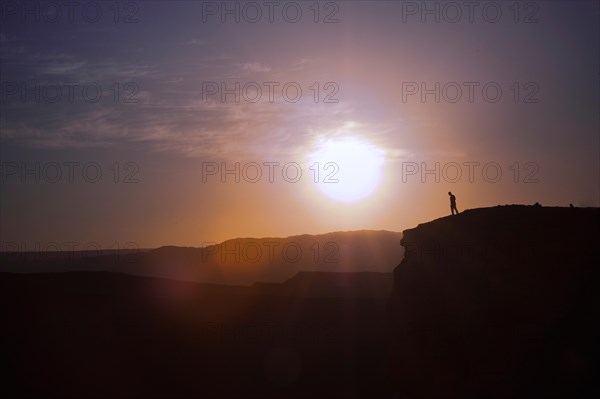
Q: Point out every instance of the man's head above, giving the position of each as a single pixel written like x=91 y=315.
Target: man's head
x=449 y=192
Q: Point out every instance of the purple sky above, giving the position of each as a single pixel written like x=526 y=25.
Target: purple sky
x=161 y=119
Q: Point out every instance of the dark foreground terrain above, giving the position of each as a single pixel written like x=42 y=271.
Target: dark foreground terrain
x=493 y=303
x=103 y=335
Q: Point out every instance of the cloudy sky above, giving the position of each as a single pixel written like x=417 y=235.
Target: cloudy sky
x=186 y=122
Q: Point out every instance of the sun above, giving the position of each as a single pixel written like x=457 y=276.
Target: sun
x=346 y=169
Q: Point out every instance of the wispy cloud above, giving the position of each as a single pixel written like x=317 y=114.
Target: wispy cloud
x=192 y=128
x=195 y=42
x=63 y=68
x=256 y=67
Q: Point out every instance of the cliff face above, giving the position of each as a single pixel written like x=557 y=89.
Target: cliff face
x=498 y=302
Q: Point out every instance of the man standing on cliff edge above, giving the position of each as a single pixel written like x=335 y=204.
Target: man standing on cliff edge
x=452 y=203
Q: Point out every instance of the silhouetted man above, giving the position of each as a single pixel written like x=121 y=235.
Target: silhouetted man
x=452 y=203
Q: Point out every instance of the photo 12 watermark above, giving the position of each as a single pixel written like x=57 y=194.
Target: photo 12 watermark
x=270 y=252
x=271 y=92
x=471 y=171
x=69 y=12
x=473 y=12
x=269 y=171
x=470 y=91
x=14 y=252
x=253 y=12
x=70 y=172
x=255 y=332
x=460 y=252
x=68 y=92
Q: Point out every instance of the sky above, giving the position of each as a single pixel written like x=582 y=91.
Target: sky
x=152 y=123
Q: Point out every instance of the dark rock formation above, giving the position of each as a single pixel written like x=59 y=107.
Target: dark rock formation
x=331 y=285
x=497 y=303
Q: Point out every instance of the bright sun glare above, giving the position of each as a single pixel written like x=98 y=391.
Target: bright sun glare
x=346 y=169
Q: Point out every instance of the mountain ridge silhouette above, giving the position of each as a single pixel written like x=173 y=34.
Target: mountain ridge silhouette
x=237 y=261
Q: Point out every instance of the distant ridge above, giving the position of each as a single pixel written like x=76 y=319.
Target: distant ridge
x=240 y=261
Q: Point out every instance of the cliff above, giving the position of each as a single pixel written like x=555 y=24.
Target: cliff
x=498 y=302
